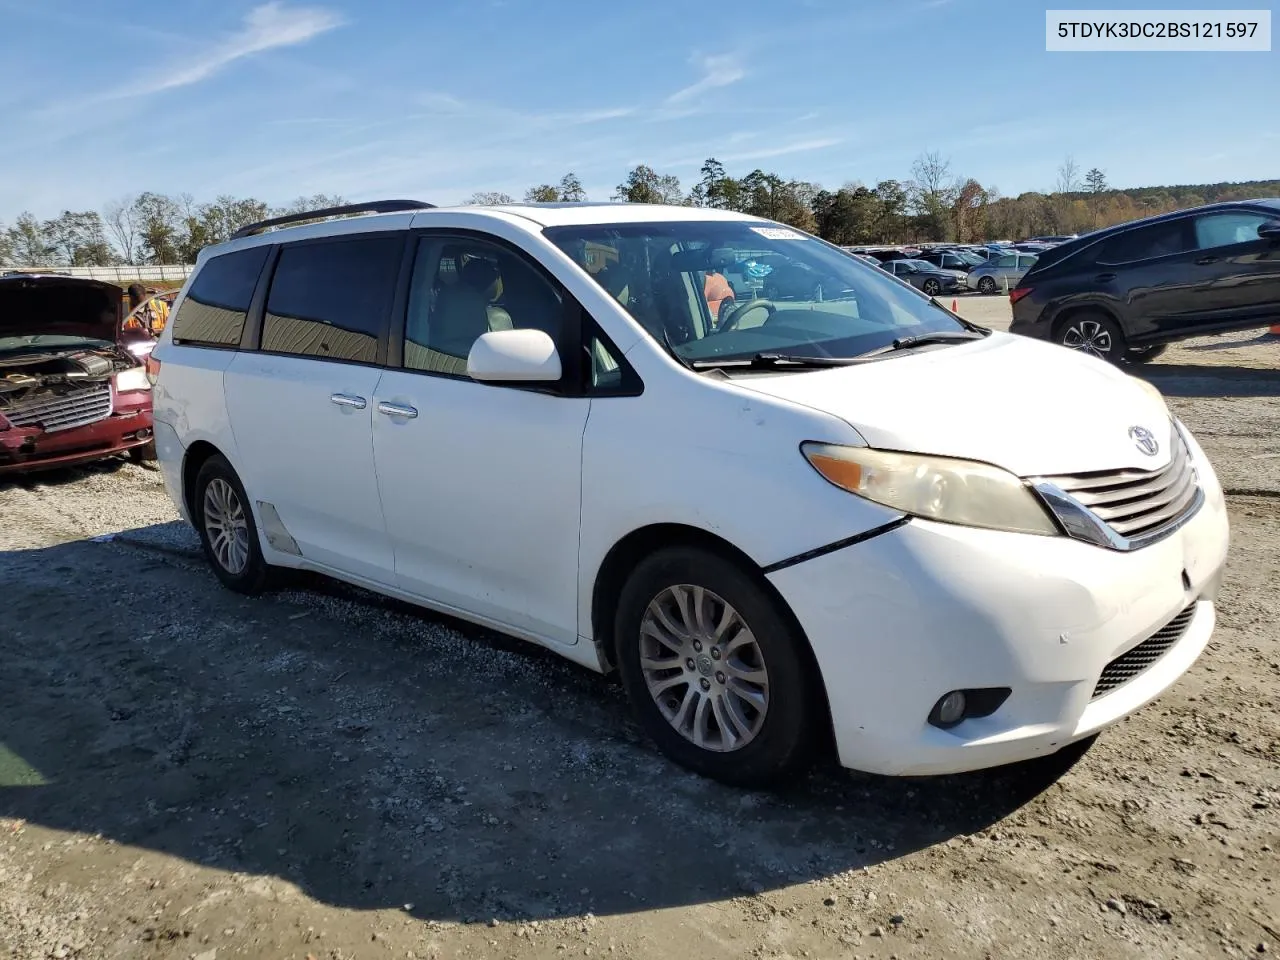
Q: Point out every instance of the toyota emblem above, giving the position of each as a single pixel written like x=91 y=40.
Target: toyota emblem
x=1144 y=440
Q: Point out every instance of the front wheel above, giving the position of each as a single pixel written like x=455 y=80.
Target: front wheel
x=932 y=287
x=986 y=285
x=1095 y=334
x=716 y=674
x=227 y=531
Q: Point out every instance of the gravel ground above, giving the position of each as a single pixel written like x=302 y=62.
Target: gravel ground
x=319 y=773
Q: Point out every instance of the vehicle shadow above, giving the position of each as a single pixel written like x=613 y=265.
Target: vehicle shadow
x=1211 y=380
x=61 y=476
x=376 y=756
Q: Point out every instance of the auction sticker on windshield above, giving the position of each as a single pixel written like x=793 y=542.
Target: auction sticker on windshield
x=778 y=233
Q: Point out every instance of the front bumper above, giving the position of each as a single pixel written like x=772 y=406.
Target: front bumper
x=27 y=449
x=897 y=621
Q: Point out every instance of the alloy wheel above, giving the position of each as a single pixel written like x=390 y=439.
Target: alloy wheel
x=226 y=526
x=987 y=285
x=1088 y=336
x=704 y=668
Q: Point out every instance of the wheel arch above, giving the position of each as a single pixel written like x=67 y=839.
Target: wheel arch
x=196 y=456
x=623 y=557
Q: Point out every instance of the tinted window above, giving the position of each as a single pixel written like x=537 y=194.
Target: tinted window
x=214 y=309
x=331 y=299
x=1225 y=229
x=464 y=288
x=1008 y=260
x=1145 y=243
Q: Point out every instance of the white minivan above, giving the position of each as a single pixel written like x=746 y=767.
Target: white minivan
x=826 y=509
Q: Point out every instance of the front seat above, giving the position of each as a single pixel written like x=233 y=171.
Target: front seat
x=484 y=277
x=460 y=316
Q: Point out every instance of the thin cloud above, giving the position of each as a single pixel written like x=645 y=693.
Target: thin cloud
x=438 y=104
x=717 y=71
x=266 y=27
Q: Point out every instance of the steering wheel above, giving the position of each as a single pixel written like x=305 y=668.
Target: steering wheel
x=736 y=313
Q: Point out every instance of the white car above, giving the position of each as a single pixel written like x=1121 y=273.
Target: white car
x=840 y=510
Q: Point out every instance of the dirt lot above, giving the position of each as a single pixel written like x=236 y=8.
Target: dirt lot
x=320 y=773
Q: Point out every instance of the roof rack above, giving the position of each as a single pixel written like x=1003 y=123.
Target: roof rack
x=373 y=206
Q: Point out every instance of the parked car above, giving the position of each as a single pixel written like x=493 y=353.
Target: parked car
x=1051 y=240
x=71 y=390
x=141 y=325
x=955 y=260
x=992 y=276
x=1124 y=292
x=780 y=531
x=924 y=276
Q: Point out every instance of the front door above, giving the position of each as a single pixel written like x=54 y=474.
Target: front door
x=301 y=406
x=480 y=484
x=1236 y=272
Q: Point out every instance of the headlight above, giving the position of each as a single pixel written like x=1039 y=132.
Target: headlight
x=936 y=488
x=135 y=378
x=1152 y=392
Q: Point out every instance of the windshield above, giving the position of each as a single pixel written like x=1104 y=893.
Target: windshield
x=733 y=289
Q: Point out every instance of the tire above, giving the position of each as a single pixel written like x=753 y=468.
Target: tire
x=1145 y=354
x=756 y=740
x=932 y=287
x=987 y=285
x=218 y=488
x=143 y=454
x=1093 y=333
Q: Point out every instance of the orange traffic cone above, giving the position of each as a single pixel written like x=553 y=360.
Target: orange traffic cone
x=1275 y=329
x=955 y=306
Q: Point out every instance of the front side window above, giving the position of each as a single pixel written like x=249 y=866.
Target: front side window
x=330 y=299
x=1008 y=260
x=1226 y=229
x=462 y=288
x=794 y=294
x=213 y=312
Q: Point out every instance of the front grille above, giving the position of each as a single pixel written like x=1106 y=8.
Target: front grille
x=1138 y=503
x=54 y=412
x=1133 y=662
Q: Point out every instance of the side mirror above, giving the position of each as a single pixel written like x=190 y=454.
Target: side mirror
x=1270 y=230
x=514 y=356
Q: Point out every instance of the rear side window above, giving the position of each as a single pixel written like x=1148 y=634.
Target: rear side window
x=214 y=309
x=331 y=299
x=1146 y=243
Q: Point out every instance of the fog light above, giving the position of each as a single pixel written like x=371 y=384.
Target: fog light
x=949 y=711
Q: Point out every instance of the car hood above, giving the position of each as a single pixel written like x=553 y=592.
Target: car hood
x=1032 y=408
x=49 y=305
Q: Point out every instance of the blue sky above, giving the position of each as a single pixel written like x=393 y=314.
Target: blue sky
x=440 y=98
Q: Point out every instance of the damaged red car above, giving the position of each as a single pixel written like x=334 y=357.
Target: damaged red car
x=72 y=385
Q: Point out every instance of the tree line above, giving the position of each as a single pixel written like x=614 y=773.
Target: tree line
x=933 y=204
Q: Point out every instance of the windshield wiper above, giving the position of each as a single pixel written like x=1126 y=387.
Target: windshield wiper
x=938 y=336
x=771 y=361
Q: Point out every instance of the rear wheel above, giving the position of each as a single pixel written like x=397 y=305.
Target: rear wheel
x=1145 y=354
x=1095 y=334
x=987 y=285
x=716 y=673
x=226 y=527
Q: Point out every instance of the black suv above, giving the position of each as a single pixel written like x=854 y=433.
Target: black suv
x=1124 y=292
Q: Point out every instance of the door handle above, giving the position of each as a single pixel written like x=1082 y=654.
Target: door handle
x=1203 y=261
x=1104 y=277
x=397 y=410
x=346 y=400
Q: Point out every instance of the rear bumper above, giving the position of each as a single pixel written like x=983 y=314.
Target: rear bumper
x=27 y=449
